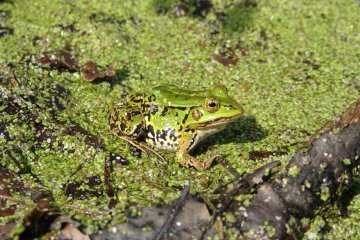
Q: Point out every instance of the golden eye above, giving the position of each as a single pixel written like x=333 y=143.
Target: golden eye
x=212 y=105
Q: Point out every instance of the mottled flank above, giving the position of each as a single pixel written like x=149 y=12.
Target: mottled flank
x=164 y=139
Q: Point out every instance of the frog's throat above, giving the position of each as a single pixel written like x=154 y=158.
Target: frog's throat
x=219 y=121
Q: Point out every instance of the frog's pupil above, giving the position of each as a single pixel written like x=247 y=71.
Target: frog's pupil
x=212 y=104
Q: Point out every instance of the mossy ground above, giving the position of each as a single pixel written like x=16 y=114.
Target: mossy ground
x=298 y=67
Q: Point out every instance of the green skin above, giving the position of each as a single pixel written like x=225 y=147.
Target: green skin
x=173 y=119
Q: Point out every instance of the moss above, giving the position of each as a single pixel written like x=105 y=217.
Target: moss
x=347 y=162
x=239 y=16
x=297 y=68
x=325 y=194
x=294 y=171
x=345 y=228
x=270 y=229
x=314 y=232
x=307 y=184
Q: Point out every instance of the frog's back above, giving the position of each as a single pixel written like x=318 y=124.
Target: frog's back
x=170 y=95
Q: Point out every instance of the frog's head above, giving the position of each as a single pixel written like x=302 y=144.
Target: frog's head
x=217 y=109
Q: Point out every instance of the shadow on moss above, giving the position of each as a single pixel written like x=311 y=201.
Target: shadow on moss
x=236 y=17
x=347 y=196
x=239 y=17
x=246 y=129
x=179 y=8
x=163 y=6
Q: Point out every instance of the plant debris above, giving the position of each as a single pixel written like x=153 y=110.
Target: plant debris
x=11 y=187
x=197 y=8
x=180 y=9
x=6 y=31
x=165 y=228
x=72 y=232
x=185 y=224
x=312 y=179
x=37 y=223
x=101 y=17
x=226 y=56
x=59 y=59
x=4 y=14
x=351 y=116
x=44 y=132
x=69 y=27
x=202 y=8
x=9 y=184
x=254 y=155
x=90 y=71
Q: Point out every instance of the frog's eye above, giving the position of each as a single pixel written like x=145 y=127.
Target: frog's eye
x=212 y=105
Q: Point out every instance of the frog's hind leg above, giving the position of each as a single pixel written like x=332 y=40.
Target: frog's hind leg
x=150 y=151
x=127 y=122
x=142 y=146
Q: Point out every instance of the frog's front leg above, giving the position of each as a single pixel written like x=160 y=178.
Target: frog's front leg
x=185 y=158
x=127 y=122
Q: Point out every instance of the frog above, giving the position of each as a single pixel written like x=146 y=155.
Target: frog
x=169 y=118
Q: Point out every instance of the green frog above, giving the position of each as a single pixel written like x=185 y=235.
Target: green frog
x=174 y=119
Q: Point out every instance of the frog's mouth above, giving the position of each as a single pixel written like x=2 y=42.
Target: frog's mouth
x=219 y=121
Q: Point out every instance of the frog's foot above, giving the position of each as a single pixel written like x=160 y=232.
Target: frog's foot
x=190 y=161
x=142 y=146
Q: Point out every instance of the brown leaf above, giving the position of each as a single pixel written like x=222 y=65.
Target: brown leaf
x=226 y=60
x=71 y=232
x=6 y=229
x=8 y=183
x=89 y=71
x=58 y=59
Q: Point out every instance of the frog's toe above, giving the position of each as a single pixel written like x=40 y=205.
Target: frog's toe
x=186 y=162
x=199 y=165
x=202 y=165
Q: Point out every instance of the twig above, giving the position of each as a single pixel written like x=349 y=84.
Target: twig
x=242 y=185
x=228 y=167
x=174 y=212
x=11 y=199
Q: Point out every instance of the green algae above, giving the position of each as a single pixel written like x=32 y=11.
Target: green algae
x=294 y=171
x=300 y=70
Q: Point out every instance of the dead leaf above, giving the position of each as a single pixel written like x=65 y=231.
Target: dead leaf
x=71 y=232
